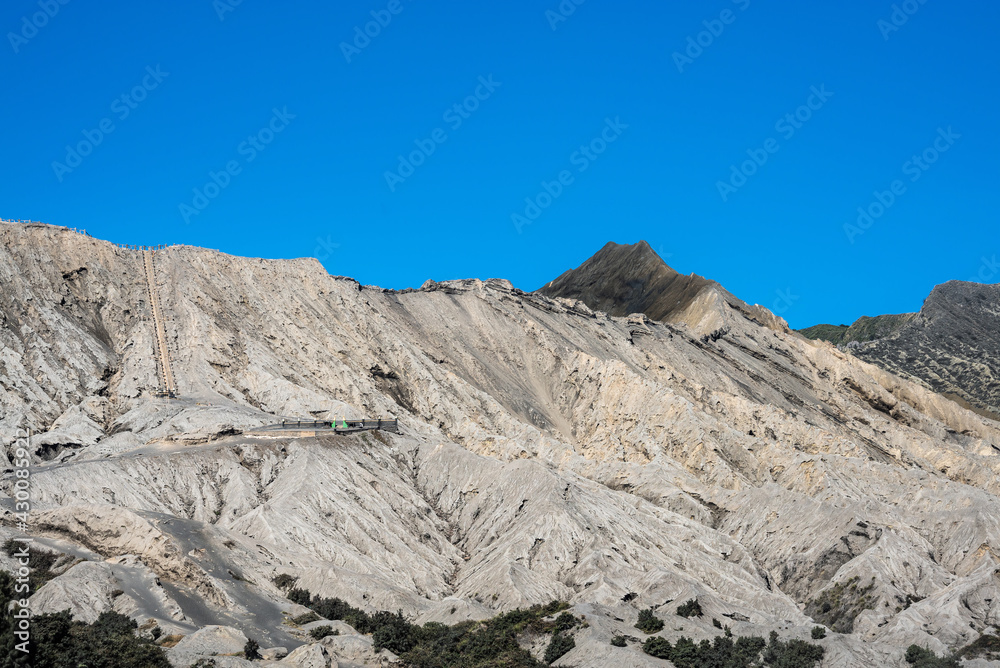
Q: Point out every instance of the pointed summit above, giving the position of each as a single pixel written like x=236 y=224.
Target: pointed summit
x=621 y=279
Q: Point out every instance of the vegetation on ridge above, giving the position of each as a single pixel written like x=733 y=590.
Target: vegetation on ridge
x=743 y=652
x=864 y=329
x=57 y=641
x=493 y=642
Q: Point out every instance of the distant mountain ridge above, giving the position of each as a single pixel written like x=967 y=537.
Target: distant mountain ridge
x=952 y=345
x=864 y=329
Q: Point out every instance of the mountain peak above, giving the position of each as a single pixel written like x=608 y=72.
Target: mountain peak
x=621 y=279
x=627 y=278
x=639 y=255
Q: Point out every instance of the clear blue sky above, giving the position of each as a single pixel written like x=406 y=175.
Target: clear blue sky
x=322 y=178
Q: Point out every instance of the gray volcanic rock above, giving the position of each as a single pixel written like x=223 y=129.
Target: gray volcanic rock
x=952 y=345
x=547 y=450
x=625 y=279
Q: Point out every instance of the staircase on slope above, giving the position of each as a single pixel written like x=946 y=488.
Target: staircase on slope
x=167 y=386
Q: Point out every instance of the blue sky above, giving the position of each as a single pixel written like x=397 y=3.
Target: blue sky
x=253 y=129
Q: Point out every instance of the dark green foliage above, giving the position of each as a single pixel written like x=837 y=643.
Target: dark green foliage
x=791 y=654
x=716 y=623
x=863 y=329
x=656 y=646
x=832 y=333
x=306 y=618
x=203 y=663
x=690 y=608
x=284 y=581
x=558 y=646
x=488 y=644
x=57 y=642
x=40 y=563
x=818 y=633
x=321 y=632
x=648 y=622
x=565 y=621
x=251 y=651
x=394 y=633
x=986 y=646
x=921 y=657
x=746 y=652
x=838 y=606
x=619 y=641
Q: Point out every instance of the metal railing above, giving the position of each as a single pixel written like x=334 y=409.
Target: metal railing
x=340 y=426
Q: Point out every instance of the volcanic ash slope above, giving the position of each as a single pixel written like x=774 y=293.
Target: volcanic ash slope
x=547 y=451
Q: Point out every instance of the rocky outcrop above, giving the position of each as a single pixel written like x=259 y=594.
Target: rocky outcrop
x=951 y=346
x=625 y=279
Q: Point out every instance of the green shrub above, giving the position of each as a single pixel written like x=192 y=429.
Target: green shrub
x=57 y=641
x=818 y=633
x=321 y=632
x=690 y=608
x=284 y=581
x=565 y=621
x=648 y=622
x=251 y=651
x=986 y=646
x=558 y=646
x=40 y=563
x=839 y=605
x=618 y=641
x=306 y=618
x=658 y=647
x=393 y=633
x=490 y=643
x=740 y=653
x=921 y=657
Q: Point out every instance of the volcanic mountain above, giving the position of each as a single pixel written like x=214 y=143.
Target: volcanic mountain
x=547 y=450
x=624 y=279
x=952 y=345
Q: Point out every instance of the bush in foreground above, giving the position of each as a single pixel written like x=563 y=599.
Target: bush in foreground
x=490 y=643
x=690 y=608
x=921 y=657
x=648 y=622
x=558 y=646
x=745 y=652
